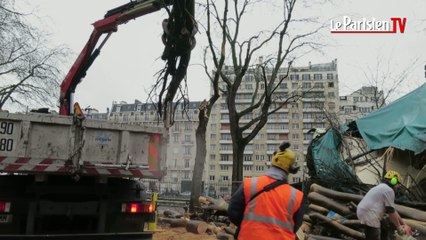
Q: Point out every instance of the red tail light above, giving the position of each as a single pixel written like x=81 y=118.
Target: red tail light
x=137 y=208
x=4 y=207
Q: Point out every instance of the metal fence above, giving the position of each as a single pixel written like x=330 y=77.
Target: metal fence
x=182 y=189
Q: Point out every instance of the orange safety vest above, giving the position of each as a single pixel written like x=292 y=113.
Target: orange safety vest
x=270 y=214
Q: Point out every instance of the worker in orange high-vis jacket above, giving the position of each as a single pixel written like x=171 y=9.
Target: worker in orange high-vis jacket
x=267 y=207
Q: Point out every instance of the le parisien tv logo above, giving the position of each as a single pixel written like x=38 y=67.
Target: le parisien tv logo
x=364 y=25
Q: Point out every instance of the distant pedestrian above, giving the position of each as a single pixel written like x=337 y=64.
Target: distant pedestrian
x=267 y=207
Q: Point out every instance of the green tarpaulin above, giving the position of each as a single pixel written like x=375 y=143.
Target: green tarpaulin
x=401 y=124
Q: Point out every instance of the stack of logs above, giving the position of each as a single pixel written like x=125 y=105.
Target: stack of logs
x=196 y=224
x=333 y=214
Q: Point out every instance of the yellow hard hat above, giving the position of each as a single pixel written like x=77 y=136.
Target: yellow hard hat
x=283 y=159
x=393 y=176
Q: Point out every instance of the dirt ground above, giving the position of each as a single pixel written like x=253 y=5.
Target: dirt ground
x=166 y=233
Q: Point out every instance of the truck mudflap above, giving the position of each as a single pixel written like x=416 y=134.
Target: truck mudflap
x=100 y=236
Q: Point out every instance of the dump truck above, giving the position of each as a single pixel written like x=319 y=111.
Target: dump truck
x=64 y=176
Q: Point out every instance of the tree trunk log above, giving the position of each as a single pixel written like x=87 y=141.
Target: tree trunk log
x=346 y=230
x=171 y=214
x=329 y=203
x=318 y=208
x=230 y=230
x=211 y=228
x=216 y=204
x=346 y=197
x=419 y=226
x=403 y=210
x=196 y=226
x=224 y=236
x=174 y=222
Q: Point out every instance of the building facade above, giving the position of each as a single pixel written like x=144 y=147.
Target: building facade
x=318 y=82
x=359 y=103
x=181 y=146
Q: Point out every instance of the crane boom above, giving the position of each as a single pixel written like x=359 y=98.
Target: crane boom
x=87 y=56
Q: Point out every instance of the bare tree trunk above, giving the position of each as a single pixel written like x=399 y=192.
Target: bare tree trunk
x=237 y=166
x=200 y=158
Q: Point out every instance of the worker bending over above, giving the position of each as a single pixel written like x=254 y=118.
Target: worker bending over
x=378 y=201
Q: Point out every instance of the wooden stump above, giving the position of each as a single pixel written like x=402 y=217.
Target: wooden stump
x=171 y=214
x=196 y=226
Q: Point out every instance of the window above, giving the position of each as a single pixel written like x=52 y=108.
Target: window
x=260 y=168
x=294 y=77
x=224 y=167
x=212 y=157
x=271 y=136
x=212 y=167
x=318 y=76
x=187 y=150
x=295 y=126
x=187 y=138
x=348 y=110
x=283 y=85
x=307 y=136
x=248 y=86
x=306 y=76
x=225 y=136
x=306 y=85
x=188 y=127
x=213 y=127
x=318 y=85
x=331 y=84
x=296 y=179
x=175 y=137
x=224 y=178
x=295 y=136
x=186 y=174
x=213 y=147
x=224 y=157
x=211 y=178
x=331 y=95
x=295 y=116
x=247 y=158
x=186 y=163
x=330 y=76
x=213 y=136
x=294 y=85
x=248 y=168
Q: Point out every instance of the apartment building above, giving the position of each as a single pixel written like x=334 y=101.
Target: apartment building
x=181 y=145
x=359 y=103
x=318 y=82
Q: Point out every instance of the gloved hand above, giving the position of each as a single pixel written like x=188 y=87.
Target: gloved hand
x=400 y=229
x=404 y=230
x=407 y=230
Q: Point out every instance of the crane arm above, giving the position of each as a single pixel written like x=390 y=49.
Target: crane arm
x=87 y=56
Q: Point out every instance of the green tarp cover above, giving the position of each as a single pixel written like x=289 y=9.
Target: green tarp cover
x=401 y=124
x=328 y=164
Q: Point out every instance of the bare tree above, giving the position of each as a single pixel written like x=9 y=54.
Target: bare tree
x=268 y=74
x=385 y=80
x=29 y=70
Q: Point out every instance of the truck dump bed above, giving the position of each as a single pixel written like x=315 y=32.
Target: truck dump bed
x=37 y=143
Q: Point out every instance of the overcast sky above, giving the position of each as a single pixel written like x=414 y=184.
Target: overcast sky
x=125 y=69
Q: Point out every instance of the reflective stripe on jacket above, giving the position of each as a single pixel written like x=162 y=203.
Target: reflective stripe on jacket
x=270 y=214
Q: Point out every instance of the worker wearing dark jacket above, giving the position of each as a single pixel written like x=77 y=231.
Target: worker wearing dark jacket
x=267 y=207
